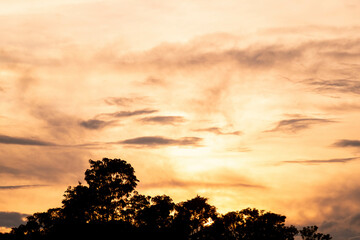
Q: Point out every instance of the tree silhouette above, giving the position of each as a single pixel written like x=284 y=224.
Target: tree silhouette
x=109 y=206
x=111 y=181
x=310 y=233
x=192 y=215
x=251 y=224
x=157 y=215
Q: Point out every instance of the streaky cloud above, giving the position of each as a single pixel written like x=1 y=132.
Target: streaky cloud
x=312 y=162
x=343 y=107
x=123 y=101
x=122 y=114
x=217 y=131
x=98 y=123
x=95 y=124
x=297 y=124
x=163 y=119
x=150 y=141
x=335 y=85
x=4 y=139
x=12 y=219
x=13 y=187
x=196 y=184
x=347 y=143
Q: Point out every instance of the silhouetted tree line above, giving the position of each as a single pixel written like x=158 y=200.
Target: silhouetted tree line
x=109 y=207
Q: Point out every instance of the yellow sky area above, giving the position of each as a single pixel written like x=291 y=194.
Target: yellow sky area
x=247 y=103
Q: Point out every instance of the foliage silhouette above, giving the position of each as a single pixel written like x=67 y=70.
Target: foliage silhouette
x=109 y=207
x=310 y=233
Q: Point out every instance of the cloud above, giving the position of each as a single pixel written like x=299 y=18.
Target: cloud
x=217 y=178
x=192 y=55
x=340 y=207
x=347 y=143
x=12 y=219
x=48 y=166
x=312 y=162
x=163 y=119
x=297 y=124
x=20 y=186
x=98 y=124
x=196 y=184
x=124 y=101
x=95 y=124
x=23 y=141
x=218 y=131
x=152 y=81
x=355 y=219
x=343 y=107
x=128 y=113
x=151 y=141
x=198 y=54
x=335 y=85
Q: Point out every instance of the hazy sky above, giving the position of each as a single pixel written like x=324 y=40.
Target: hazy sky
x=249 y=103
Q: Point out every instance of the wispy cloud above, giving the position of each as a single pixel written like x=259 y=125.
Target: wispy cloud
x=343 y=107
x=98 y=123
x=217 y=131
x=12 y=219
x=154 y=81
x=124 y=101
x=4 y=139
x=312 y=162
x=335 y=85
x=121 y=114
x=163 y=119
x=197 y=184
x=20 y=186
x=298 y=124
x=95 y=124
x=151 y=141
x=347 y=143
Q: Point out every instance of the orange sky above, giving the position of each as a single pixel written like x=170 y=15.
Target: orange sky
x=249 y=103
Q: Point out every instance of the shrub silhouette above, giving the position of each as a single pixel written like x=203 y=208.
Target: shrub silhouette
x=109 y=207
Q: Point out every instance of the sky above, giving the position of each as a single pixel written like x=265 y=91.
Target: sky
x=248 y=103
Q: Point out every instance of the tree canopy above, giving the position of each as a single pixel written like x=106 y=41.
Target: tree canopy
x=110 y=206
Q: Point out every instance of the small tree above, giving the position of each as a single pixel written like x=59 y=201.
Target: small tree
x=111 y=181
x=310 y=233
x=191 y=216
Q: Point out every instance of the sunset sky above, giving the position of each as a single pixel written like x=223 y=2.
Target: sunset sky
x=248 y=103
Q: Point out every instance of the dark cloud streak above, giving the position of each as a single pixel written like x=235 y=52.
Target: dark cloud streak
x=335 y=85
x=95 y=124
x=297 y=124
x=23 y=141
x=11 y=219
x=163 y=119
x=347 y=143
x=121 y=114
x=218 y=131
x=20 y=187
x=123 y=101
x=197 y=184
x=312 y=162
x=151 y=141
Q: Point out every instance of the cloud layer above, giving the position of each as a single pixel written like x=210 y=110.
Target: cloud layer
x=4 y=139
x=153 y=141
x=298 y=124
x=11 y=219
x=347 y=143
x=335 y=160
